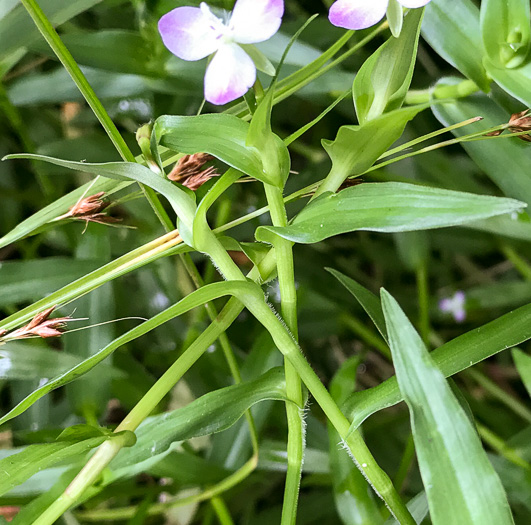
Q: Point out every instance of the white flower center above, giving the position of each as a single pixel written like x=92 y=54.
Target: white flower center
x=223 y=29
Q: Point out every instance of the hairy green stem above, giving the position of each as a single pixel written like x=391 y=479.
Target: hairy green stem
x=288 y=295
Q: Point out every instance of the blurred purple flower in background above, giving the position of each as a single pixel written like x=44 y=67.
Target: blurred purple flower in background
x=454 y=305
x=360 y=14
x=193 y=33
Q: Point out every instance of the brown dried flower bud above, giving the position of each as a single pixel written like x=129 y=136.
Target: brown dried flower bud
x=8 y=512
x=518 y=123
x=41 y=326
x=521 y=122
x=90 y=209
x=188 y=171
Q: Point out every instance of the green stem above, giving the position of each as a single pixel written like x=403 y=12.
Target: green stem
x=108 y=450
x=288 y=295
x=356 y=446
x=460 y=90
x=221 y=510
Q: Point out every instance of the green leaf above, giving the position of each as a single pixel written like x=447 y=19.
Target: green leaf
x=211 y=413
x=506 y=31
x=418 y=506
x=513 y=81
x=459 y=354
x=223 y=136
x=369 y=301
x=522 y=362
x=383 y=81
x=261 y=62
x=17 y=29
x=59 y=207
x=504 y=160
x=197 y=298
x=356 y=148
x=273 y=152
x=388 y=207
x=182 y=202
x=18 y=467
x=23 y=281
x=461 y=484
x=20 y=360
x=464 y=49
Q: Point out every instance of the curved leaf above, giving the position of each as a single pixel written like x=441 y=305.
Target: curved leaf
x=197 y=298
x=458 y=354
x=382 y=82
x=388 y=207
x=182 y=202
x=223 y=136
x=460 y=482
x=211 y=413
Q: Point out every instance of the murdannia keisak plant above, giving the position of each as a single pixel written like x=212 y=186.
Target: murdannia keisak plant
x=324 y=214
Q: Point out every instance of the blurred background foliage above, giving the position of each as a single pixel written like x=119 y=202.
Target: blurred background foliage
x=117 y=44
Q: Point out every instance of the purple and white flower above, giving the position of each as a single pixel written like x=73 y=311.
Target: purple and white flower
x=193 y=33
x=454 y=305
x=360 y=14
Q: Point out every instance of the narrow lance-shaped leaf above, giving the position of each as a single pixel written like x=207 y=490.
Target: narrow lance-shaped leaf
x=388 y=207
x=458 y=354
x=182 y=201
x=211 y=413
x=197 y=298
x=382 y=82
x=18 y=467
x=18 y=30
x=506 y=31
x=461 y=484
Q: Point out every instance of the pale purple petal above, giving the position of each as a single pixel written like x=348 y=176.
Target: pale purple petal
x=189 y=33
x=230 y=75
x=460 y=315
x=414 y=3
x=357 y=14
x=254 y=21
x=445 y=305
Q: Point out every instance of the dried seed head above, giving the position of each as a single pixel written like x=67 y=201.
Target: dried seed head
x=188 y=171
x=520 y=122
x=41 y=326
x=90 y=209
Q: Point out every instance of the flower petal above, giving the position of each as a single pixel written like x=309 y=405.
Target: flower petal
x=189 y=33
x=230 y=75
x=357 y=14
x=414 y=3
x=254 y=21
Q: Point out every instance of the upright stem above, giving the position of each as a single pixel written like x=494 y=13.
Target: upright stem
x=356 y=446
x=288 y=294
